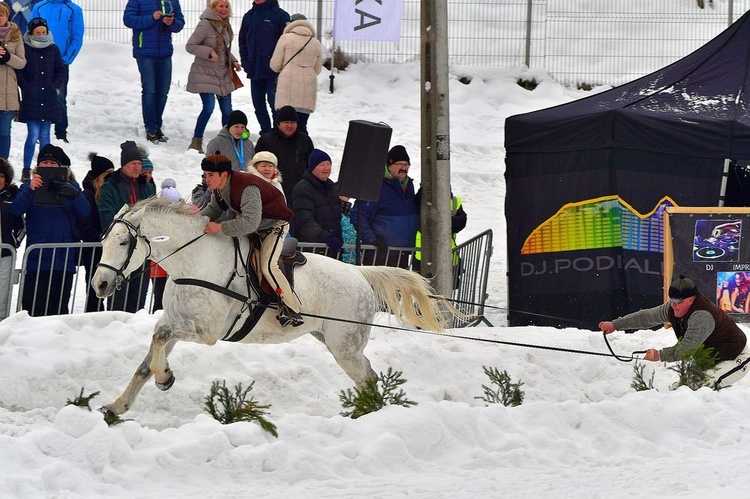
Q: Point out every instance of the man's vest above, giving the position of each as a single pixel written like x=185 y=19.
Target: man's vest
x=727 y=339
x=455 y=205
x=274 y=206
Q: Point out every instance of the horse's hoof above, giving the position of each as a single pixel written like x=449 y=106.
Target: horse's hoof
x=107 y=412
x=166 y=385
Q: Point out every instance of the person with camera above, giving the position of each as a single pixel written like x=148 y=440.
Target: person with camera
x=153 y=22
x=53 y=204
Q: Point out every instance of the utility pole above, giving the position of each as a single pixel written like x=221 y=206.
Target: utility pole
x=435 y=124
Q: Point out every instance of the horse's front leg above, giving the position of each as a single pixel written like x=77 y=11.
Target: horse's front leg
x=162 y=344
x=125 y=401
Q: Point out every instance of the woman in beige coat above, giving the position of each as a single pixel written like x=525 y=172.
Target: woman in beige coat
x=12 y=57
x=211 y=73
x=298 y=59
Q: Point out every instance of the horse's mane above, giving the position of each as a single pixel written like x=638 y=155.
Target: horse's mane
x=166 y=206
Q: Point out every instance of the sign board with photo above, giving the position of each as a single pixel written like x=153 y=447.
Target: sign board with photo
x=712 y=247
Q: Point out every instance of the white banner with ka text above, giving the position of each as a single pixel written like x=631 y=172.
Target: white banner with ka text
x=368 y=20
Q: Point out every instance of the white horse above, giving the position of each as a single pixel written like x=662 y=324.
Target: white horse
x=202 y=311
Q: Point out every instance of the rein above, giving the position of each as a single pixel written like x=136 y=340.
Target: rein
x=134 y=234
x=255 y=303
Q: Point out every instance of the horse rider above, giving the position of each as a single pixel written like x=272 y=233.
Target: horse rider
x=260 y=209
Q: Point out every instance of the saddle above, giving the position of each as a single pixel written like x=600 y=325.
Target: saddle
x=289 y=259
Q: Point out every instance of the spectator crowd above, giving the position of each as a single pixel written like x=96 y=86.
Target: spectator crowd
x=276 y=188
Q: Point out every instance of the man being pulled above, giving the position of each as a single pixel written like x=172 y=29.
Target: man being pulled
x=260 y=208
x=695 y=321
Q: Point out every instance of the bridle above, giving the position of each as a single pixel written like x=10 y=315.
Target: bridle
x=134 y=233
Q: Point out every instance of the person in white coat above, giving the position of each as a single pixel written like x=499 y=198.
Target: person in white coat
x=298 y=59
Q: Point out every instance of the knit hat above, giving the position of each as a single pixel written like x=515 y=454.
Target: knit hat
x=99 y=164
x=396 y=154
x=265 y=156
x=147 y=164
x=682 y=287
x=129 y=153
x=170 y=194
x=53 y=153
x=168 y=182
x=298 y=17
x=35 y=23
x=287 y=113
x=216 y=163
x=236 y=117
x=316 y=157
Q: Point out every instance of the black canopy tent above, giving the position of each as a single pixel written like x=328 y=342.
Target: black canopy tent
x=608 y=164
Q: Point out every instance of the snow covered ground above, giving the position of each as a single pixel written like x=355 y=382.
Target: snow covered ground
x=582 y=431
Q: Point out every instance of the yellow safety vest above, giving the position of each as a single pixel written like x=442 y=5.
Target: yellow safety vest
x=455 y=205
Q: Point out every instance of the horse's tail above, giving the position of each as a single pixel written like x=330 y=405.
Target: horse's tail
x=407 y=295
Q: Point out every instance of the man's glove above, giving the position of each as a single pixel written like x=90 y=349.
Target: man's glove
x=346 y=207
x=65 y=189
x=334 y=243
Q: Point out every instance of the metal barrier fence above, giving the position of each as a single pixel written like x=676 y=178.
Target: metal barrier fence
x=69 y=292
x=470 y=288
x=585 y=42
x=8 y=278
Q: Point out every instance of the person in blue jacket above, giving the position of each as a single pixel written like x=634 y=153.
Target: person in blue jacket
x=261 y=28
x=393 y=220
x=153 y=22
x=49 y=280
x=65 y=22
x=20 y=12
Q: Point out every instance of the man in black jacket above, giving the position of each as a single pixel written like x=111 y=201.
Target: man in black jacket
x=291 y=147
x=316 y=205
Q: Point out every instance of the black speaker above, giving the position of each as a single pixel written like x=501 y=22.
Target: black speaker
x=363 y=162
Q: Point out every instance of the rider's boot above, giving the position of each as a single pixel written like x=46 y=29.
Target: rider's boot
x=287 y=316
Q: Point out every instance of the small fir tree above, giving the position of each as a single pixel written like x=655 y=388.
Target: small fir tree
x=376 y=394
x=693 y=368
x=639 y=384
x=504 y=390
x=82 y=401
x=227 y=407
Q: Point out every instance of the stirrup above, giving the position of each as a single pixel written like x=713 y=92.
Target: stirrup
x=287 y=316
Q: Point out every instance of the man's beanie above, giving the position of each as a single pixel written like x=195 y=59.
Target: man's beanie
x=129 y=153
x=236 y=117
x=287 y=113
x=316 y=157
x=99 y=164
x=53 y=153
x=216 y=163
x=265 y=156
x=396 y=154
x=682 y=287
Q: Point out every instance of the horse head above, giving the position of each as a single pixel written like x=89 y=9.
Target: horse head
x=134 y=237
x=124 y=249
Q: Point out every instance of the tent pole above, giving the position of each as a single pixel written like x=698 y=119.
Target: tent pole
x=724 y=178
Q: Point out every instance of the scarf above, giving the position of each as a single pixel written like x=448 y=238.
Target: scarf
x=38 y=42
x=4 y=30
x=222 y=25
